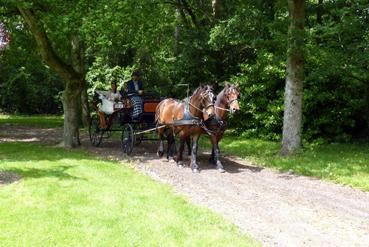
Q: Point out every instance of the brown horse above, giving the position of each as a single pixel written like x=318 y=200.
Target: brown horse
x=185 y=118
x=226 y=102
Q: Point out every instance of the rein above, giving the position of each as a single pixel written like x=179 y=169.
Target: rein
x=203 y=110
x=226 y=109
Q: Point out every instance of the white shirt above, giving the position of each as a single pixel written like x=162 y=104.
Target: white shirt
x=136 y=85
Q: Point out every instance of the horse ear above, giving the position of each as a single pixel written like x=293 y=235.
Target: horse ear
x=237 y=85
x=226 y=84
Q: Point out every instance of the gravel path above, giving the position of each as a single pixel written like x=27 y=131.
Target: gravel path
x=275 y=208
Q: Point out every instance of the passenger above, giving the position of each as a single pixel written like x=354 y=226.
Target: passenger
x=134 y=89
x=112 y=95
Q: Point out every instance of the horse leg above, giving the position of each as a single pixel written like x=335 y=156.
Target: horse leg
x=213 y=145
x=216 y=158
x=171 y=145
x=188 y=142
x=194 y=166
x=180 y=152
x=160 y=151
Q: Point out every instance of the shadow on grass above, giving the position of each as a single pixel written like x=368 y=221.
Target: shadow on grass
x=59 y=172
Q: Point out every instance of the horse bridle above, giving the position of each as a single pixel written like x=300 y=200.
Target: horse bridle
x=229 y=102
x=207 y=93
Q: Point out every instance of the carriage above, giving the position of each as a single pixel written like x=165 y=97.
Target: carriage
x=191 y=117
x=118 y=118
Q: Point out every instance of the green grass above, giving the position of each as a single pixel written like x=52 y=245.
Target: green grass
x=70 y=198
x=342 y=163
x=43 y=121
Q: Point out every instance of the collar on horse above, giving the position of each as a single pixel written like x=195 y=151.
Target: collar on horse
x=188 y=118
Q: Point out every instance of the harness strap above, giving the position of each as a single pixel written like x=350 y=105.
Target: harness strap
x=224 y=109
x=208 y=131
x=194 y=121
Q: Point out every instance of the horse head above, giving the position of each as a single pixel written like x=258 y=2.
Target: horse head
x=205 y=98
x=232 y=93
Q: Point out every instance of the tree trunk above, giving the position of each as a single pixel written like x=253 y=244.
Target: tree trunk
x=78 y=65
x=177 y=29
x=216 y=4
x=85 y=114
x=292 y=119
x=319 y=12
x=72 y=114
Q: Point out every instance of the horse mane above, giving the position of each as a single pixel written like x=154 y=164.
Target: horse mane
x=197 y=89
x=221 y=93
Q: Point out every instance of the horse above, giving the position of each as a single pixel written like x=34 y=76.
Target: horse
x=226 y=101
x=185 y=118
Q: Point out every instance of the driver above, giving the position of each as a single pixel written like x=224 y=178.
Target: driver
x=134 y=89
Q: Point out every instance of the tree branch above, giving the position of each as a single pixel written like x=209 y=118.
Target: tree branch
x=46 y=50
x=188 y=9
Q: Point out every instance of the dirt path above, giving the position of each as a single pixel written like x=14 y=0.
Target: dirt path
x=275 y=208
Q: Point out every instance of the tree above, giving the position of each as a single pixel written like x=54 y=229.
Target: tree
x=74 y=81
x=292 y=119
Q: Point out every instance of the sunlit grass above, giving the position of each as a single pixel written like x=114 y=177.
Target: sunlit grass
x=70 y=198
x=342 y=163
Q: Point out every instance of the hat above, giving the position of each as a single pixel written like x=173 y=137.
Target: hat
x=136 y=73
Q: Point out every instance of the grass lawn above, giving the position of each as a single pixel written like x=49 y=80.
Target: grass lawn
x=43 y=121
x=70 y=198
x=342 y=163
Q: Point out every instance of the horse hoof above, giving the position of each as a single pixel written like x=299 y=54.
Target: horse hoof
x=159 y=154
x=180 y=164
x=171 y=159
x=221 y=170
x=195 y=170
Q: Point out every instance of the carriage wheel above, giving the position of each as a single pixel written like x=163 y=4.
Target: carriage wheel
x=128 y=138
x=95 y=132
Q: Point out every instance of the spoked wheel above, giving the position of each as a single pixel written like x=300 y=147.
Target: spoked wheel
x=128 y=138
x=95 y=132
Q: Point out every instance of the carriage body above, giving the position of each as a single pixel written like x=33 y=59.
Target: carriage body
x=118 y=118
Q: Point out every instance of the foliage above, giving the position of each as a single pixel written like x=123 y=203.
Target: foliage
x=336 y=84
x=337 y=79
x=26 y=85
x=77 y=199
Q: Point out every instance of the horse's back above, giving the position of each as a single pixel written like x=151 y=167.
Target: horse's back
x=165 y=111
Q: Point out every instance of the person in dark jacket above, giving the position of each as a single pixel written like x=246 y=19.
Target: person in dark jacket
x=134 y=89
x=135 y=84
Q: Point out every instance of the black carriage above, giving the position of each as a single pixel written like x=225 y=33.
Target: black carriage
x=118 y=117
